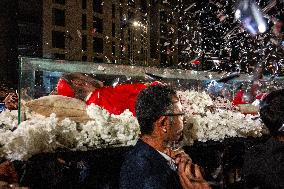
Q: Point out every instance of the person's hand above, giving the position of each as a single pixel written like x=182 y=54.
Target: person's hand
x=8 y=172
x=174 y=153
x=190 y=174
x=11 y=101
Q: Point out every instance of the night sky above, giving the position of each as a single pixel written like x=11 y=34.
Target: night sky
x=208 y=31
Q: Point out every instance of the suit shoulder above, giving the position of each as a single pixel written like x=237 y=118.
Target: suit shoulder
x=135 y=160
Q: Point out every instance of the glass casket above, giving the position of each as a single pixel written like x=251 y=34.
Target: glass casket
x=62 y=141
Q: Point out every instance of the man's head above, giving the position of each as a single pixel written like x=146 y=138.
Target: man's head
x=272 y=112
x=159 y=112
x=77 y=85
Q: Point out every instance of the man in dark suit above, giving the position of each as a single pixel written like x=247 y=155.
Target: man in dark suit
x=264 y=163
x=153 y=162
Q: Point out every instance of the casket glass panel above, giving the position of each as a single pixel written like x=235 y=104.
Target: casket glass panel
x=38 y=77
x=221 y=160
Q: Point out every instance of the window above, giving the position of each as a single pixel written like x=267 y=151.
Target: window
x=122 y=48
x=98 y=6
x=113 y=48
x=84 y=43
x=164 y=60
x=154 y=29
x=163 y=29
x=153 y=48
x=163 y=16
x=98 y=45
x=113 y=29
x=58 y=39
x=144 y=6
x=59 y=56
x=58 y=17
x=131 y=3
x=98 y=24
x=129 y=51
x=84 y=4
x=113 y=11
x=130 y=15
x=84 y=58
x=123 y=19
x=163 y=43
x=98 y=60
x=27 y=39
x=84 y=21
x=28 y=17
x=61 y=2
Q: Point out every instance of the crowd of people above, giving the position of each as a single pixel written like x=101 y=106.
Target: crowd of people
x=157 y=161
x=154 y=163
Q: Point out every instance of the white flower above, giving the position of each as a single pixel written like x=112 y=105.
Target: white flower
x=203 y=124
x=8 y=119
x=36 y=135
x=205 y=120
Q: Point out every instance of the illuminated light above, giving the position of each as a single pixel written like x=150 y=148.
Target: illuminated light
x=251 y=17
x=135 y=24
x=261 y=28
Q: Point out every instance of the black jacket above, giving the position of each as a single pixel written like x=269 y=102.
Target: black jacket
x=145 y=168
x=264 y=166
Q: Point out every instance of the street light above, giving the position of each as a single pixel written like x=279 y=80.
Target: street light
x=138 y=25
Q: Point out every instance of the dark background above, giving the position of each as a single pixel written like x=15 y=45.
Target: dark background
x=199 y=26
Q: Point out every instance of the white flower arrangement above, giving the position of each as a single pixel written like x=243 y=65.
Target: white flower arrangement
x=203 y=123
x=9 y=119
x=36 y=136
x=47 y=134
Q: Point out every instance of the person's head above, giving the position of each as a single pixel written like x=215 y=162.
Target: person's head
x=159 y=112
x=272 y=112
x=77 y=85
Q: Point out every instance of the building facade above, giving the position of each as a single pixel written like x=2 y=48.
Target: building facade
x=8 y=43
x=140 y=32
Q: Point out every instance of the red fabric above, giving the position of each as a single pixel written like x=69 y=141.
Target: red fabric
x=260 y=96
x=117 y=99
x=239 y=98
x=64 y=89
x=196 y=62
x=156 y=83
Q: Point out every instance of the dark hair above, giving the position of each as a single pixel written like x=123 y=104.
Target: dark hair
x=151 y=104
x=272 y=112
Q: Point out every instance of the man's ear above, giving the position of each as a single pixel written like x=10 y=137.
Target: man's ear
x=161 y=120
x=162 y=123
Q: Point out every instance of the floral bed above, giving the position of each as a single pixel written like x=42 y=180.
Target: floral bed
x=205 y=119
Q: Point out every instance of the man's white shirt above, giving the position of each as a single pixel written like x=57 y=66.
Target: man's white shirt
x=170 y=161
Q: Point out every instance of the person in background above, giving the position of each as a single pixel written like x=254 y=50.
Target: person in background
x=8 y=98
x=252 y=96
x=76 y=85
x=264 y=164
x=154 y=161
x=11 y=101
